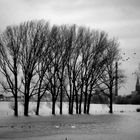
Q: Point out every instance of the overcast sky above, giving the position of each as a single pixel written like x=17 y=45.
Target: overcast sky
x=119 y=18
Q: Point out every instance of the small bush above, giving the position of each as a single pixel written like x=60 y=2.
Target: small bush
x=138 y=109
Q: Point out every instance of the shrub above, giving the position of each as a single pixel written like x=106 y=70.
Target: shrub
x=138 y=109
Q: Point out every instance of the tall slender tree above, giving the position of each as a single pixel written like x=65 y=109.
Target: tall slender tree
x=9 y=62
x=51 y=75
x=33 y=39
x=108 y=78
x=42 y=67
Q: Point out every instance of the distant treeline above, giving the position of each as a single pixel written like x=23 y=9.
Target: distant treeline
x=61 y=63
x=129 y=99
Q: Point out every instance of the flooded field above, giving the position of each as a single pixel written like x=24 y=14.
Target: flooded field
x=124 y=124
x=45 y=108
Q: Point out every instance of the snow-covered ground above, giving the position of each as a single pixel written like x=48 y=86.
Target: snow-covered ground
x=124 y=124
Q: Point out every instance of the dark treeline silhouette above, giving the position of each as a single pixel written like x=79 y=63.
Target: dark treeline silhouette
x=63 y=63
x=128 y=99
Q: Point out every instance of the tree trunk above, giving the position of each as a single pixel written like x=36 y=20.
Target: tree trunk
x=116 y=80
x=26 y=105
x=16 y=106
x=70 y=99
x=38 y=105
x=111 y=102
x=80 y=103
x=53 y=107
x=77 y=111
x=26 y=99
x=69 y=106
x=61 y=100
x=39 y=97
x=85 y=101
x=16 y=91
x=88 y=104
x=72 y=103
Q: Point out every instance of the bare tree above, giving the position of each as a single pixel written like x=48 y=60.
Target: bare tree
x=108 y=78
x=86 y=62
x=51 y=75
x=63 y=60
x=93 y=63
x=41 y=68
x=9 y=62
x=33 y=39
x=73 y=67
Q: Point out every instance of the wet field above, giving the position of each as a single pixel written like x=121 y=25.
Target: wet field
x=124 y=124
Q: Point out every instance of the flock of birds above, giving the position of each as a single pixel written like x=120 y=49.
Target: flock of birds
x=126 y=59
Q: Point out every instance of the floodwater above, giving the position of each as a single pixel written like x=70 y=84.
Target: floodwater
x=45 y=108
x=124 y=124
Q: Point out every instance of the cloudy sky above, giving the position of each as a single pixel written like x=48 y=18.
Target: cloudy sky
x=120 y=18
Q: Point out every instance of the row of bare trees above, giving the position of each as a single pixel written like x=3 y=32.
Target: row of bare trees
x=68 y=63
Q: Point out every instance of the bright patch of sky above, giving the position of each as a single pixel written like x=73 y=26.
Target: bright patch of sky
x=120 y=18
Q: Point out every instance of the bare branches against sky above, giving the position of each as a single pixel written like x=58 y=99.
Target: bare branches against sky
x=120 y=18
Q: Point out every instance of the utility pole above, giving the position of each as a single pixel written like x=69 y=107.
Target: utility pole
x=116 y=79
